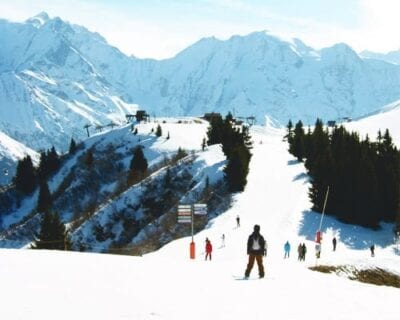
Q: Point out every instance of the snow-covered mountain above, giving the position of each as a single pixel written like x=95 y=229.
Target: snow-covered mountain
x=260 y=74
x=391 y=56
x=50 y=87
x=56 y=77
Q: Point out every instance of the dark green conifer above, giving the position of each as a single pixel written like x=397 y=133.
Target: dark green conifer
x=25 y=177
x=52 y=233
x=44 y=199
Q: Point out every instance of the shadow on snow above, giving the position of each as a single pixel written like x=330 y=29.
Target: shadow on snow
x=354 y=237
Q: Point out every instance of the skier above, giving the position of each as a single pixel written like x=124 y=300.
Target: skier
x=372 y=248
x=287 y=249
x=237 y=221
x=303 y=251
x=208 y=248
x=255 y=250
x=223 y=240
x=334 y=243
x=299 y=251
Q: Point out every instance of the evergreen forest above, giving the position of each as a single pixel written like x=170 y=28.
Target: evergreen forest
x=363 y=175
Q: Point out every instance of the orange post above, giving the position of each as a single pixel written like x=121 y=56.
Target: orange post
x=192 y=250
x=318 y=237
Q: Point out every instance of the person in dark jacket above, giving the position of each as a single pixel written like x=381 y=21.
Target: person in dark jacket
x=303 y=252
x=255 y=249
x=334 y=242
x=372 y=249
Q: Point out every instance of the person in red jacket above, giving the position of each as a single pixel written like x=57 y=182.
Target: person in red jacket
x=208 y=248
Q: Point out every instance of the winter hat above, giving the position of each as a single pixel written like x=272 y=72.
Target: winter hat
x=256 y=228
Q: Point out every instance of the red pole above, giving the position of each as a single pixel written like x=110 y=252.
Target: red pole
x=192 y=244
x=192 y=250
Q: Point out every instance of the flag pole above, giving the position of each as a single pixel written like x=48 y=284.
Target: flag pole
x=323 y=209
x=318 y=239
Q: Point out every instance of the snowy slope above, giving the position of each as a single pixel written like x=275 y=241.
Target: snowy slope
x=10 y=152
x=166 y=284
x=387 y=117
x=113 y=150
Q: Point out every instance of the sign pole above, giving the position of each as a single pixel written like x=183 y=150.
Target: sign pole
x=192 y=224
x=192 y=244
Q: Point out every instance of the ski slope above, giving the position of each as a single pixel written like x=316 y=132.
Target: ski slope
x=168 y=285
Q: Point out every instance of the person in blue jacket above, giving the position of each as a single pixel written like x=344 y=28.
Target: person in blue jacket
x=287 y=249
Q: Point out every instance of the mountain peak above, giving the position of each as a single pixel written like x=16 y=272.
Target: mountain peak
x=39 y=19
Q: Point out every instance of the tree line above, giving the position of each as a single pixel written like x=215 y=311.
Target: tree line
x=363 y=175
x=236 y=145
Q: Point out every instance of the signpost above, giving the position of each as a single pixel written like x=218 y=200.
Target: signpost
x=185 y=215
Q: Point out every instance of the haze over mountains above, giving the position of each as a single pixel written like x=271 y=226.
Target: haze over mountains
x=56 y=77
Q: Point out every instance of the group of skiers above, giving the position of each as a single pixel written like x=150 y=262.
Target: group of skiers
x=257 y=249
x=301 y=251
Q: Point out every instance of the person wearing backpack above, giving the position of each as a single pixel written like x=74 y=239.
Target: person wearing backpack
x=255 y=250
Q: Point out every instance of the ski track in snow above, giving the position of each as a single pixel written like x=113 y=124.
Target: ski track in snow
x=166 y=284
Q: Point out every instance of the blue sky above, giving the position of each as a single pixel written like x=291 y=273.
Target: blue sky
x=161 y=28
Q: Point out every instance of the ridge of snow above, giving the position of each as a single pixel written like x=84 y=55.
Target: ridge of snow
x=38 y=20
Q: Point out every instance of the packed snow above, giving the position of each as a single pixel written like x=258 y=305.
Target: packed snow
x=167 y=284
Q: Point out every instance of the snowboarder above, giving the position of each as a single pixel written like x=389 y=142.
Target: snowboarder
x=208 y=248
x=372 y=248
x=334 y=243
x=255 y=250
x=237 y=221
x=287 y=249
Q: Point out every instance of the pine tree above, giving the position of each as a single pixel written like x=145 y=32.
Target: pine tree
x=181 y=153
x=229 y=117
x=44 y=199
x=72 y=147
x=297 y=146
x=138 y=162
x=289 y=135
x=138 y=165
x=158 y=131
x=52 y=233
x=246 y=138
x=215 y=131
x=25 y=177
x=88 y=158
x=43 y=171
x=318 y=142
x=237 y=169
x=54 y=161
x=203 y=144
x=167 y=182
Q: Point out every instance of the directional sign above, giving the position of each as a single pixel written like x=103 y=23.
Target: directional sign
x=184 y=213
x=200 y=209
